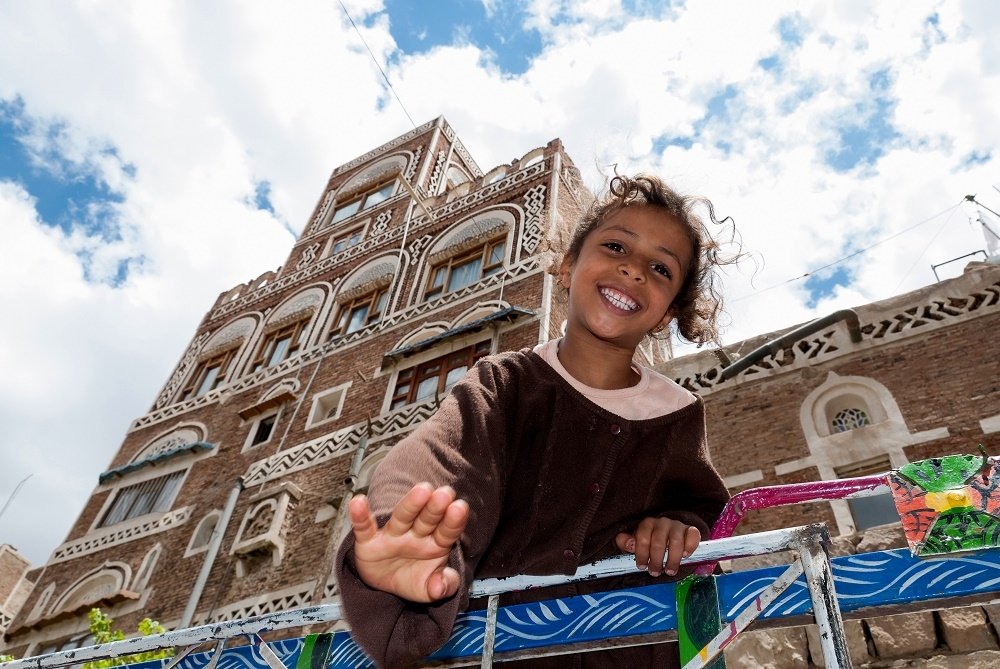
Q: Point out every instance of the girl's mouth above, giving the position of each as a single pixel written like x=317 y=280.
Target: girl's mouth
x=619 y=299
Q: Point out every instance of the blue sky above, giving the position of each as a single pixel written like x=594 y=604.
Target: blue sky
x=156 y=154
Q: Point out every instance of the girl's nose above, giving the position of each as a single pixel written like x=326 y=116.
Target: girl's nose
x=631 y=271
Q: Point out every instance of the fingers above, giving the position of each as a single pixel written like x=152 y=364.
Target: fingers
x=452 y=523
x=661 y=543
x=625 y=542
x=443 y=583
x=408 y=509
x=362 y=520
x=430 y=517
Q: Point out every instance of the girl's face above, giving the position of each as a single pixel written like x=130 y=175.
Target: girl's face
x=625 y=279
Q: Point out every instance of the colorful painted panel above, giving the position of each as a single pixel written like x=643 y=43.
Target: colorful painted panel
x=948 y=504
x=864 y=581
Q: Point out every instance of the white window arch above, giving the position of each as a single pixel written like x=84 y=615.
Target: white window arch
x=853 y=427
x=202 y=535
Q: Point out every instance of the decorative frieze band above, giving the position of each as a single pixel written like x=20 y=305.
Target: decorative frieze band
x=509 y=182
x=92 y=544
x=935 y=313
x=293 y=597
x=385 y=148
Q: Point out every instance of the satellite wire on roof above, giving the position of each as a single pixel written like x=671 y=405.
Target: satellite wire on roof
x=949 y=210
x=387 y=82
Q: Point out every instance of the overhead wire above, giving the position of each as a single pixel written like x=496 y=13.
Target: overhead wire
x=949 y=211
x=374 y=60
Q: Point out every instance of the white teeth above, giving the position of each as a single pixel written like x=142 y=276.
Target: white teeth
x=619 y=300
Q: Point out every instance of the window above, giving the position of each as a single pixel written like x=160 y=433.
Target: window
x=346 y=240
x=435 y=377
x=466 y=269
x=361 y=312
x=365 y=200
x=877 y=509
x=152 y=496
x=209 y=375
x=850 y=419
x=280 y=345
x=327 y=405
x=263 y=429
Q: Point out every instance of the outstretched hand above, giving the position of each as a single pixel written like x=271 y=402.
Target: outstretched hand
x=408 y=557
x=659 y=544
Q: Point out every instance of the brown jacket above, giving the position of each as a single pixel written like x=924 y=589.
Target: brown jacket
x=550 y=479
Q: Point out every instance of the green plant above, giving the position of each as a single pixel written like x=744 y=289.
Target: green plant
x=100 y=628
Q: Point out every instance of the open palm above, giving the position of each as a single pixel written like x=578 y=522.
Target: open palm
x=408 y=557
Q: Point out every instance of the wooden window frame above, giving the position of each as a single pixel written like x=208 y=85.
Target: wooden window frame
x=408 y=380
x=297 y=332
x=376 y=301
x=446 y=268
x=362 y=200
x=194 y=387
x=347 y=238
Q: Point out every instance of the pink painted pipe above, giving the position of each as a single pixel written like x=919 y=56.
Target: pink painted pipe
x=783 y=495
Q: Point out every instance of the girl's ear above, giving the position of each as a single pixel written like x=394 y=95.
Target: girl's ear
x=665 y=322
x=564 y=273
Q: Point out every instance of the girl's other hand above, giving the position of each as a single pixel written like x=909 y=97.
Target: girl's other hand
x=659 y=544
x=408 y=557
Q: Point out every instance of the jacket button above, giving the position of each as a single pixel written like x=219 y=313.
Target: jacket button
x=615 y=429
x=595 y=488
x=569 y=555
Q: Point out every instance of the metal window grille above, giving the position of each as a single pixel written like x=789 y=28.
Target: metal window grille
x=152 y=496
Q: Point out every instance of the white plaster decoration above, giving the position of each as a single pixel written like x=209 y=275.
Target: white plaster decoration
x=385 y=148
x=322 y=211
x=468 y=235
x=292 y=309
x=202 y=535
x=376 y=274
x=292 y=597
x=308 y=256
x=336 y=444
x=100 y=583
x=991 y=424
x=381 y=223
x=417 y=245
x=935 y=307
x=181 y=436
x=142 y=576
x=534 y=206
x=412 y=167
x=372 y=176
x=264 y=524
x=460 y=149
x=439 y=161
x=228 y=334
x=188 y=361
x=829 y=451
x=746 y=478
x=331 y=592
x=514 y=180
x=38 y=610
x=100 y=540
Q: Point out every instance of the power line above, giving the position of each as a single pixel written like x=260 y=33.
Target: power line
x=949 y=210
x=374 y=60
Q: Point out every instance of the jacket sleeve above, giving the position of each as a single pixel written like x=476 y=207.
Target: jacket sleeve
x=462 y=445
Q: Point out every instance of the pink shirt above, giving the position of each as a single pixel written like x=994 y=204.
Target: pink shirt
x=655 y=395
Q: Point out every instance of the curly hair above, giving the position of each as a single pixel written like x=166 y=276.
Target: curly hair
x=698 y=304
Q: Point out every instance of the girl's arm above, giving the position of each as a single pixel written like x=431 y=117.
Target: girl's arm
x=461 y=448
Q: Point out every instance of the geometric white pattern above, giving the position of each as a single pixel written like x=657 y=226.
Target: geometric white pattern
x=92 y=544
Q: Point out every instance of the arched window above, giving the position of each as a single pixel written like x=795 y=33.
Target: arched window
x=202 y=535
x=850 y=419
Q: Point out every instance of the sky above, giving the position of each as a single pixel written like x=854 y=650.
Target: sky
x=154 y=154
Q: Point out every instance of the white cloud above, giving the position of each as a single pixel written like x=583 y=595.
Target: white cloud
x=204 y=102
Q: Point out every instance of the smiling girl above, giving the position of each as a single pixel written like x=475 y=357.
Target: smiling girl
x=541 y=460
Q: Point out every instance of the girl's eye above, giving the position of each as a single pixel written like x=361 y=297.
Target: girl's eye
x=615 y=246
x=664 y=270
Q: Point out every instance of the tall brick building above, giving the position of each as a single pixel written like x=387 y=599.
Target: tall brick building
x=227 y=498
